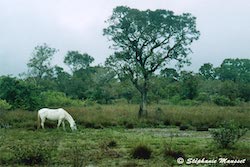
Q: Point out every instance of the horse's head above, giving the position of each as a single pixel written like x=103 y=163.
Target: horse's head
x=73 y=126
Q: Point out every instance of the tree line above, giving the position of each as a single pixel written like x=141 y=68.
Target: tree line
x=227 y=84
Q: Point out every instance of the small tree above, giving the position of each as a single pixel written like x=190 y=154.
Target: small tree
x=207 y=71
x=146 y=41
x=228 y=134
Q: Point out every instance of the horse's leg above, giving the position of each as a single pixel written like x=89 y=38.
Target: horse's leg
x=42 y=123
x=59 y=123
x=63 y=125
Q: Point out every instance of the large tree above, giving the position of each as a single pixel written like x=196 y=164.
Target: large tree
x=146 y=41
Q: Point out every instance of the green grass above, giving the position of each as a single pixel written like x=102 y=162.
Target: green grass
x=90 y=145
x=107 y=123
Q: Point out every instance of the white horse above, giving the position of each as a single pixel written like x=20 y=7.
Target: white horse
x=55 y=114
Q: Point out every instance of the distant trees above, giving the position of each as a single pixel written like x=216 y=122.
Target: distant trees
x=207 y=71
x=100 y=84
x=40 y=63
x=19 y=94
x=77 y=61
x=145 y=41
x=237 y=70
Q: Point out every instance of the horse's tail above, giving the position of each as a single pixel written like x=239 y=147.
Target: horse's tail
x=38 y=120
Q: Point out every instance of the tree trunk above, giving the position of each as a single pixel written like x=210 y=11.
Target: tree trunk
x=143 y=106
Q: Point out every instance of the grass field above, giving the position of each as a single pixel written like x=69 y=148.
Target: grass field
x=107 y=135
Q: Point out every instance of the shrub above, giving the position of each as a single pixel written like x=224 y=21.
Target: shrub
x=58 y=99
x=129 y=126
x=141 y=152
x=168 y=152
x=183 y=127
x=32 y=154
x=203 y=97
x=223 y=101
x=166 y=122
x=228 y=134
x=77 y=156
x=175 y=99
x=4 y=105
x=19 y=93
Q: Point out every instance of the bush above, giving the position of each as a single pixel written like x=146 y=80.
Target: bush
x=228 y=134
x=203 y=97
x=77 y=156
x=168 y=152
x=32 y=154
x=183 y=127
x=166 y=122
x=223 y=101
x=129 y=125
x=58 y=99
x=19 y=93
x=141 y=152
x=4 y=105
x=175 y=99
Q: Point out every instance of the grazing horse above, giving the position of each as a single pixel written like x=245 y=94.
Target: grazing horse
x=55 y=114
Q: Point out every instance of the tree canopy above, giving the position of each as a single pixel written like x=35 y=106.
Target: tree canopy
x=76 y=61
x=40 y=63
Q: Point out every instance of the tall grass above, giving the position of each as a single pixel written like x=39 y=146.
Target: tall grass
x=99 y=116
x=111 y=115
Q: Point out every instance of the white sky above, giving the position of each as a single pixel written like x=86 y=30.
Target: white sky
x=78 y=25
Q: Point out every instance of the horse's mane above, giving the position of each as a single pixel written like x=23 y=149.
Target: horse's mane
x=69 y=116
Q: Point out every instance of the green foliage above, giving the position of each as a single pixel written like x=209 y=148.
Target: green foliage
x=76 y=155
x=19 y=93
x=4 y=105
x=207 y=71
x=40 y=63
x=222 y=101
x=229 y=89
x=189 y=85
x=228 y=134
x=141 y=151
x=237 y=70
x=175 y=99
x=77 y=61
x=58 y=99
x=32 y=154
x=203 y=97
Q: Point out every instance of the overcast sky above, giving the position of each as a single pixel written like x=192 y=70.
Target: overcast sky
x=78 y=25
